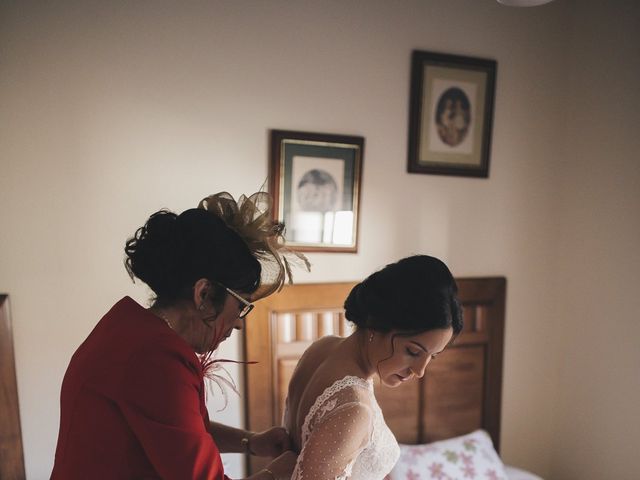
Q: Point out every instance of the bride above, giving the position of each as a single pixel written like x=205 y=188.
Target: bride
x=405 y=315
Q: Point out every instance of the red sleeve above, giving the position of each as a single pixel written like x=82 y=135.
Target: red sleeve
x=160 y=399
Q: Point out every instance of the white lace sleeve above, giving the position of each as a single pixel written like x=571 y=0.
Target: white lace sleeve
x=339 y=434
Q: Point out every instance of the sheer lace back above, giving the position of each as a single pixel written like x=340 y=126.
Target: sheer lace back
x=344 y=436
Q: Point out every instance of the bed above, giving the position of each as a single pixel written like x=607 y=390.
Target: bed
x=458 y=400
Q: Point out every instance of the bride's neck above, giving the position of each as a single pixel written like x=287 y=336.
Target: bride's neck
x=358 y=347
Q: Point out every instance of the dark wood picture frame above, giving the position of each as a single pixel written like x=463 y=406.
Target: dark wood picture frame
x=315 y=182
x=450 y=114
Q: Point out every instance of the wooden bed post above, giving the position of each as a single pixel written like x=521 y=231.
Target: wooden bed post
x=11 y=455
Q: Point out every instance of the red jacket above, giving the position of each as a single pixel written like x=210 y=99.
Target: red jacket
x=132 y=405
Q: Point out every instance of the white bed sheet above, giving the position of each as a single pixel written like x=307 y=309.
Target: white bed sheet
x=514 y=473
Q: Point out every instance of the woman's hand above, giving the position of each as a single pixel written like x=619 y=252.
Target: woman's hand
x=270 y=443
x=282 y=467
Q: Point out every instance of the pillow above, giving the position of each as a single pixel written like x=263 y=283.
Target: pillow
x=470 y=456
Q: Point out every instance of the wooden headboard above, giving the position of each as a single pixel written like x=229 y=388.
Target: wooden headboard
x=460 y=392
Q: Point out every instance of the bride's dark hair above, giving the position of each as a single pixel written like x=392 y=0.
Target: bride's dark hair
x=413 y=295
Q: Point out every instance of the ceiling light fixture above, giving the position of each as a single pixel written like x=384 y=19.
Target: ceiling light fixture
x=523 y=3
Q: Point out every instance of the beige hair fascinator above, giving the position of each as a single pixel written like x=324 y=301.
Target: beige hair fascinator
x=251 y=218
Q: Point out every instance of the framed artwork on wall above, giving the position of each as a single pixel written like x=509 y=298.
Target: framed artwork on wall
x=450 y=114
x=315 y=182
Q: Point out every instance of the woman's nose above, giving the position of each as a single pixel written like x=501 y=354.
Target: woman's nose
x=238 y=324
x=421 y=368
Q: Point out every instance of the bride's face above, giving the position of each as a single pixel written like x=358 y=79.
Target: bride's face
x=407 y=357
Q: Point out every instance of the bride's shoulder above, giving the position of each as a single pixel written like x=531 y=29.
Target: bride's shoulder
x=348 y=390
x=322 y=346
x=348 y=395
x=327 y=341
x=314 y=356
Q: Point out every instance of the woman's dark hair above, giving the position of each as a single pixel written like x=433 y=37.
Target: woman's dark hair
x=171 y=252
x=413 y=295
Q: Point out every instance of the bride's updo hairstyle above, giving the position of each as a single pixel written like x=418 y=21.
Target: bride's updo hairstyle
x=413 y=295
x=171 y=252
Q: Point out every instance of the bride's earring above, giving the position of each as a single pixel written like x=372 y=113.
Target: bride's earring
x=371 y=337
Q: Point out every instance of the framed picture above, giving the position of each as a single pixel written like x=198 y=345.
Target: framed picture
x=450 y=114
x=315 y=181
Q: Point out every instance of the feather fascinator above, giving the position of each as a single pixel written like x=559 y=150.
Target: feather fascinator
x=252 y=218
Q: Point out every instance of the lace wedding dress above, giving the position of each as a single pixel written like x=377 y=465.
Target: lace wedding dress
x=344 y=436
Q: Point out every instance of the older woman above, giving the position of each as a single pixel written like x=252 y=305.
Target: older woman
x=133 y=397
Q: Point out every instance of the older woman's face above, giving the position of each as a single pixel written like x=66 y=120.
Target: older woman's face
x=219 y=327
x=402 y=358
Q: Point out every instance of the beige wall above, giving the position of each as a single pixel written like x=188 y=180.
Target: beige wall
x=598 y=276
x=111 y=110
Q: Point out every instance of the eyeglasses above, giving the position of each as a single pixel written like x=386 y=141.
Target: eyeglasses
x=247 y=306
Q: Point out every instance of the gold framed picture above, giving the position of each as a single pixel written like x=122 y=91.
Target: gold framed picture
x=315 y=181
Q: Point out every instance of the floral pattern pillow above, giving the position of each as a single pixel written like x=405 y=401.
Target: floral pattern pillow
x=471 y=456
